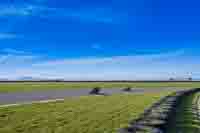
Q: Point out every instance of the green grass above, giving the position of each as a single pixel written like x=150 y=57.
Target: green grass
x=20 y=87
x=186 y=119
x=94 y=114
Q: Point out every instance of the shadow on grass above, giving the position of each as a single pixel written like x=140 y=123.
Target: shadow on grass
x=186 y=117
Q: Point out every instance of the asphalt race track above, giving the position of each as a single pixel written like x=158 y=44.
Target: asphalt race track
x=25 y=97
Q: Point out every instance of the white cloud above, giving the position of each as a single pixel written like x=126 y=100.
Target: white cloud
x=40 y=1
x=156 y=66
x=96 y=46
x=12 y=60
x=7 y=36
x=13 y=51
x=84 y=15
x=88 y=15
x=12 y=10
x=113 y=60
x=12 y=57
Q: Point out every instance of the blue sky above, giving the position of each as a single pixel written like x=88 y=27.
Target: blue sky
x=91 y=40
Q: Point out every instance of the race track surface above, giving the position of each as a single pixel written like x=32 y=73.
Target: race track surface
x=23 y=97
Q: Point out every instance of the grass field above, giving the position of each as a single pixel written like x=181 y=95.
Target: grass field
x=94 y=114
x=20 y=87
x=186 y=119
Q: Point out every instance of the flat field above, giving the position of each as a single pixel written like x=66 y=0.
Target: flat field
x=35 y=86
x=91 y=114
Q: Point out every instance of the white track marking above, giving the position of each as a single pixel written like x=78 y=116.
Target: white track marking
x=25 y=103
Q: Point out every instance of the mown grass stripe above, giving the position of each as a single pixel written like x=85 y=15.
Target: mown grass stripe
x=186 y=117
x=31 y=86
x=79 y=115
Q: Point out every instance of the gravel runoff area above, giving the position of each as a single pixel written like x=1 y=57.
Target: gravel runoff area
x=28 y=97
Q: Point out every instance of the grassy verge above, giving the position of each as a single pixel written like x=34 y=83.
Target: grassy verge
x=21 y=87
x=186 y=119
x=94 y=114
